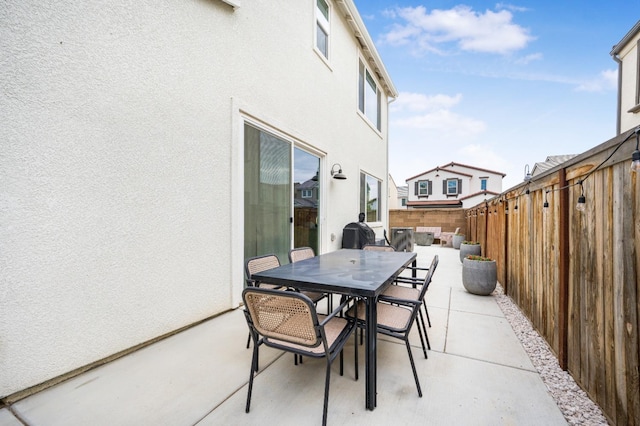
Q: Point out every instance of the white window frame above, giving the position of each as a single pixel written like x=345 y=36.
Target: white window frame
x=423 y=192
x=449 y=187
x=364 y=202
x=484 y=180
x=322 y=23
x=306 y=193
x=366 y=81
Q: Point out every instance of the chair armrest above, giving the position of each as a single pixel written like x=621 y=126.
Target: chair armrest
x=406 y=302
x=337 y=310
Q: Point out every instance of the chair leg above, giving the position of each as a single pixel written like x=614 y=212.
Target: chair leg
x=420 y=327
x=326 y=393
x=413 y=367
x=355 y=350
x=254 y=368
x=248 y=340
x=426 y=311
x=424 y=328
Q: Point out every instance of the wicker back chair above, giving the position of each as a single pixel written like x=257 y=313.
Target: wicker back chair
x=396 y=317
x=401 y=291
x=259 y=264
x=288 y=321
x=302 y=253
x=374 y=247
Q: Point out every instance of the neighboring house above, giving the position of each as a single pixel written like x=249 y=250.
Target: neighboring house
x=150 y=147
x=627 y=54
x=392 y=194
x=549 y=163
x=403 y=196
x=397 y=195
x=453 y=185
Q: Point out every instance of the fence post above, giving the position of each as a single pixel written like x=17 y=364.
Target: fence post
x=563 y=264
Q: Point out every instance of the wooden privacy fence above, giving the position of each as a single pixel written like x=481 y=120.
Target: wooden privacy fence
x=575 y=274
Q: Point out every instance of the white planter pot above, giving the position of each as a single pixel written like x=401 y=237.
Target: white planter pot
x=467 y=249
x=479 y=277
x=457 y=240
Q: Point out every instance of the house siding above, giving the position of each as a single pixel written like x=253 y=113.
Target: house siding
x=469 y=186
x=123 y=163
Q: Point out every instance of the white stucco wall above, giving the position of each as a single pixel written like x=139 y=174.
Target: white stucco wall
x=121 y=164
x=471 y=183
x=629 y=58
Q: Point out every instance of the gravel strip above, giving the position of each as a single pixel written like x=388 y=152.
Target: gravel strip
x=574 y=403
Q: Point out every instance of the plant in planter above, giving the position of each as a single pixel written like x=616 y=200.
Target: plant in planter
x=470 y=247
x=479 y=275
x=457 y=240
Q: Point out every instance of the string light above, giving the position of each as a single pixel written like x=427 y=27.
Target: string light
x=635 y=157
x=581 y=205
x=527 y=173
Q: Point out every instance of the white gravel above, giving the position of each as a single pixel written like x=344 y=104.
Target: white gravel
x=575 y=404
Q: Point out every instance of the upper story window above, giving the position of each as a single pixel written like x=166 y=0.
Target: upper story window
x=452 y=186
x=424 y=188
x=483 y=184
x=370 y=196
x=368 y=96
x=307 y=193
x=322 y=27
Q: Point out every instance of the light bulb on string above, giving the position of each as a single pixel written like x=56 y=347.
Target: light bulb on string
x=581 y=205
x=635 y=157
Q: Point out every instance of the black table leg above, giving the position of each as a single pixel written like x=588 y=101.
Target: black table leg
x=370 y=353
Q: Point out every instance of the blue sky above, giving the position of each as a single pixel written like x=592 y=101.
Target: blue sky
x=497 y=85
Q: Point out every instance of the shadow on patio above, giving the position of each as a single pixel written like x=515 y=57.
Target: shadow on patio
x=477 y=373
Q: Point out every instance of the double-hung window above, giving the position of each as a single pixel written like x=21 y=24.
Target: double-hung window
x=452 y=186
x=370 y=196
x=424 y=188
x=322 y=27
x=368 y=96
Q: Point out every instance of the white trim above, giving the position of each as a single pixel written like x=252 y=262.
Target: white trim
x=233 y=3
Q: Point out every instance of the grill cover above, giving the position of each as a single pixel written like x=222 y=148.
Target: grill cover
x=356 y=235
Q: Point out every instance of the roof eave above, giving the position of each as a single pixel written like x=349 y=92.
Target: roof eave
x=626 y=39
x=352 y=16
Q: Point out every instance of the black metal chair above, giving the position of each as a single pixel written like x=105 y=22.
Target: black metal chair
x=288 y=320
x=259 y=264
x=396 y=317
x=401 y=291
x=302 y=253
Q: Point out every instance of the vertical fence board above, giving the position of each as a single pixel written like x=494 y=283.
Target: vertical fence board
x=575 y=275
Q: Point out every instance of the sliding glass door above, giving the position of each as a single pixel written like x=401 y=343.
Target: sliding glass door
x=281 y=195
x=267 y=194
x=306 y=200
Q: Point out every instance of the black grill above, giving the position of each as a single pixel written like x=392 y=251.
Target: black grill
x=356 y=235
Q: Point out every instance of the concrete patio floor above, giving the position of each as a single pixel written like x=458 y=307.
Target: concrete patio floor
x=477 y=374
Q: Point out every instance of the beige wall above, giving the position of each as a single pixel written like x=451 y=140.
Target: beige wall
x=447 y=219
x=629 y=58
x=122 y=163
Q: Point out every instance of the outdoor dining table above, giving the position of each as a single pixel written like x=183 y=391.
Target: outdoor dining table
x=362 y=273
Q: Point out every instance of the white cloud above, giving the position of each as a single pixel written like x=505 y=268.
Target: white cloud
x=482 y=156
x=489 y=32
x=529 y=58
x=607 y=80
x=512 y=7
x=446 y=124
x=417 y=102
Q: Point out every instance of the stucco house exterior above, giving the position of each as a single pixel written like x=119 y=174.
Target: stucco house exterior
x=453 y=185
x=627 y=54
x=150 y=147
